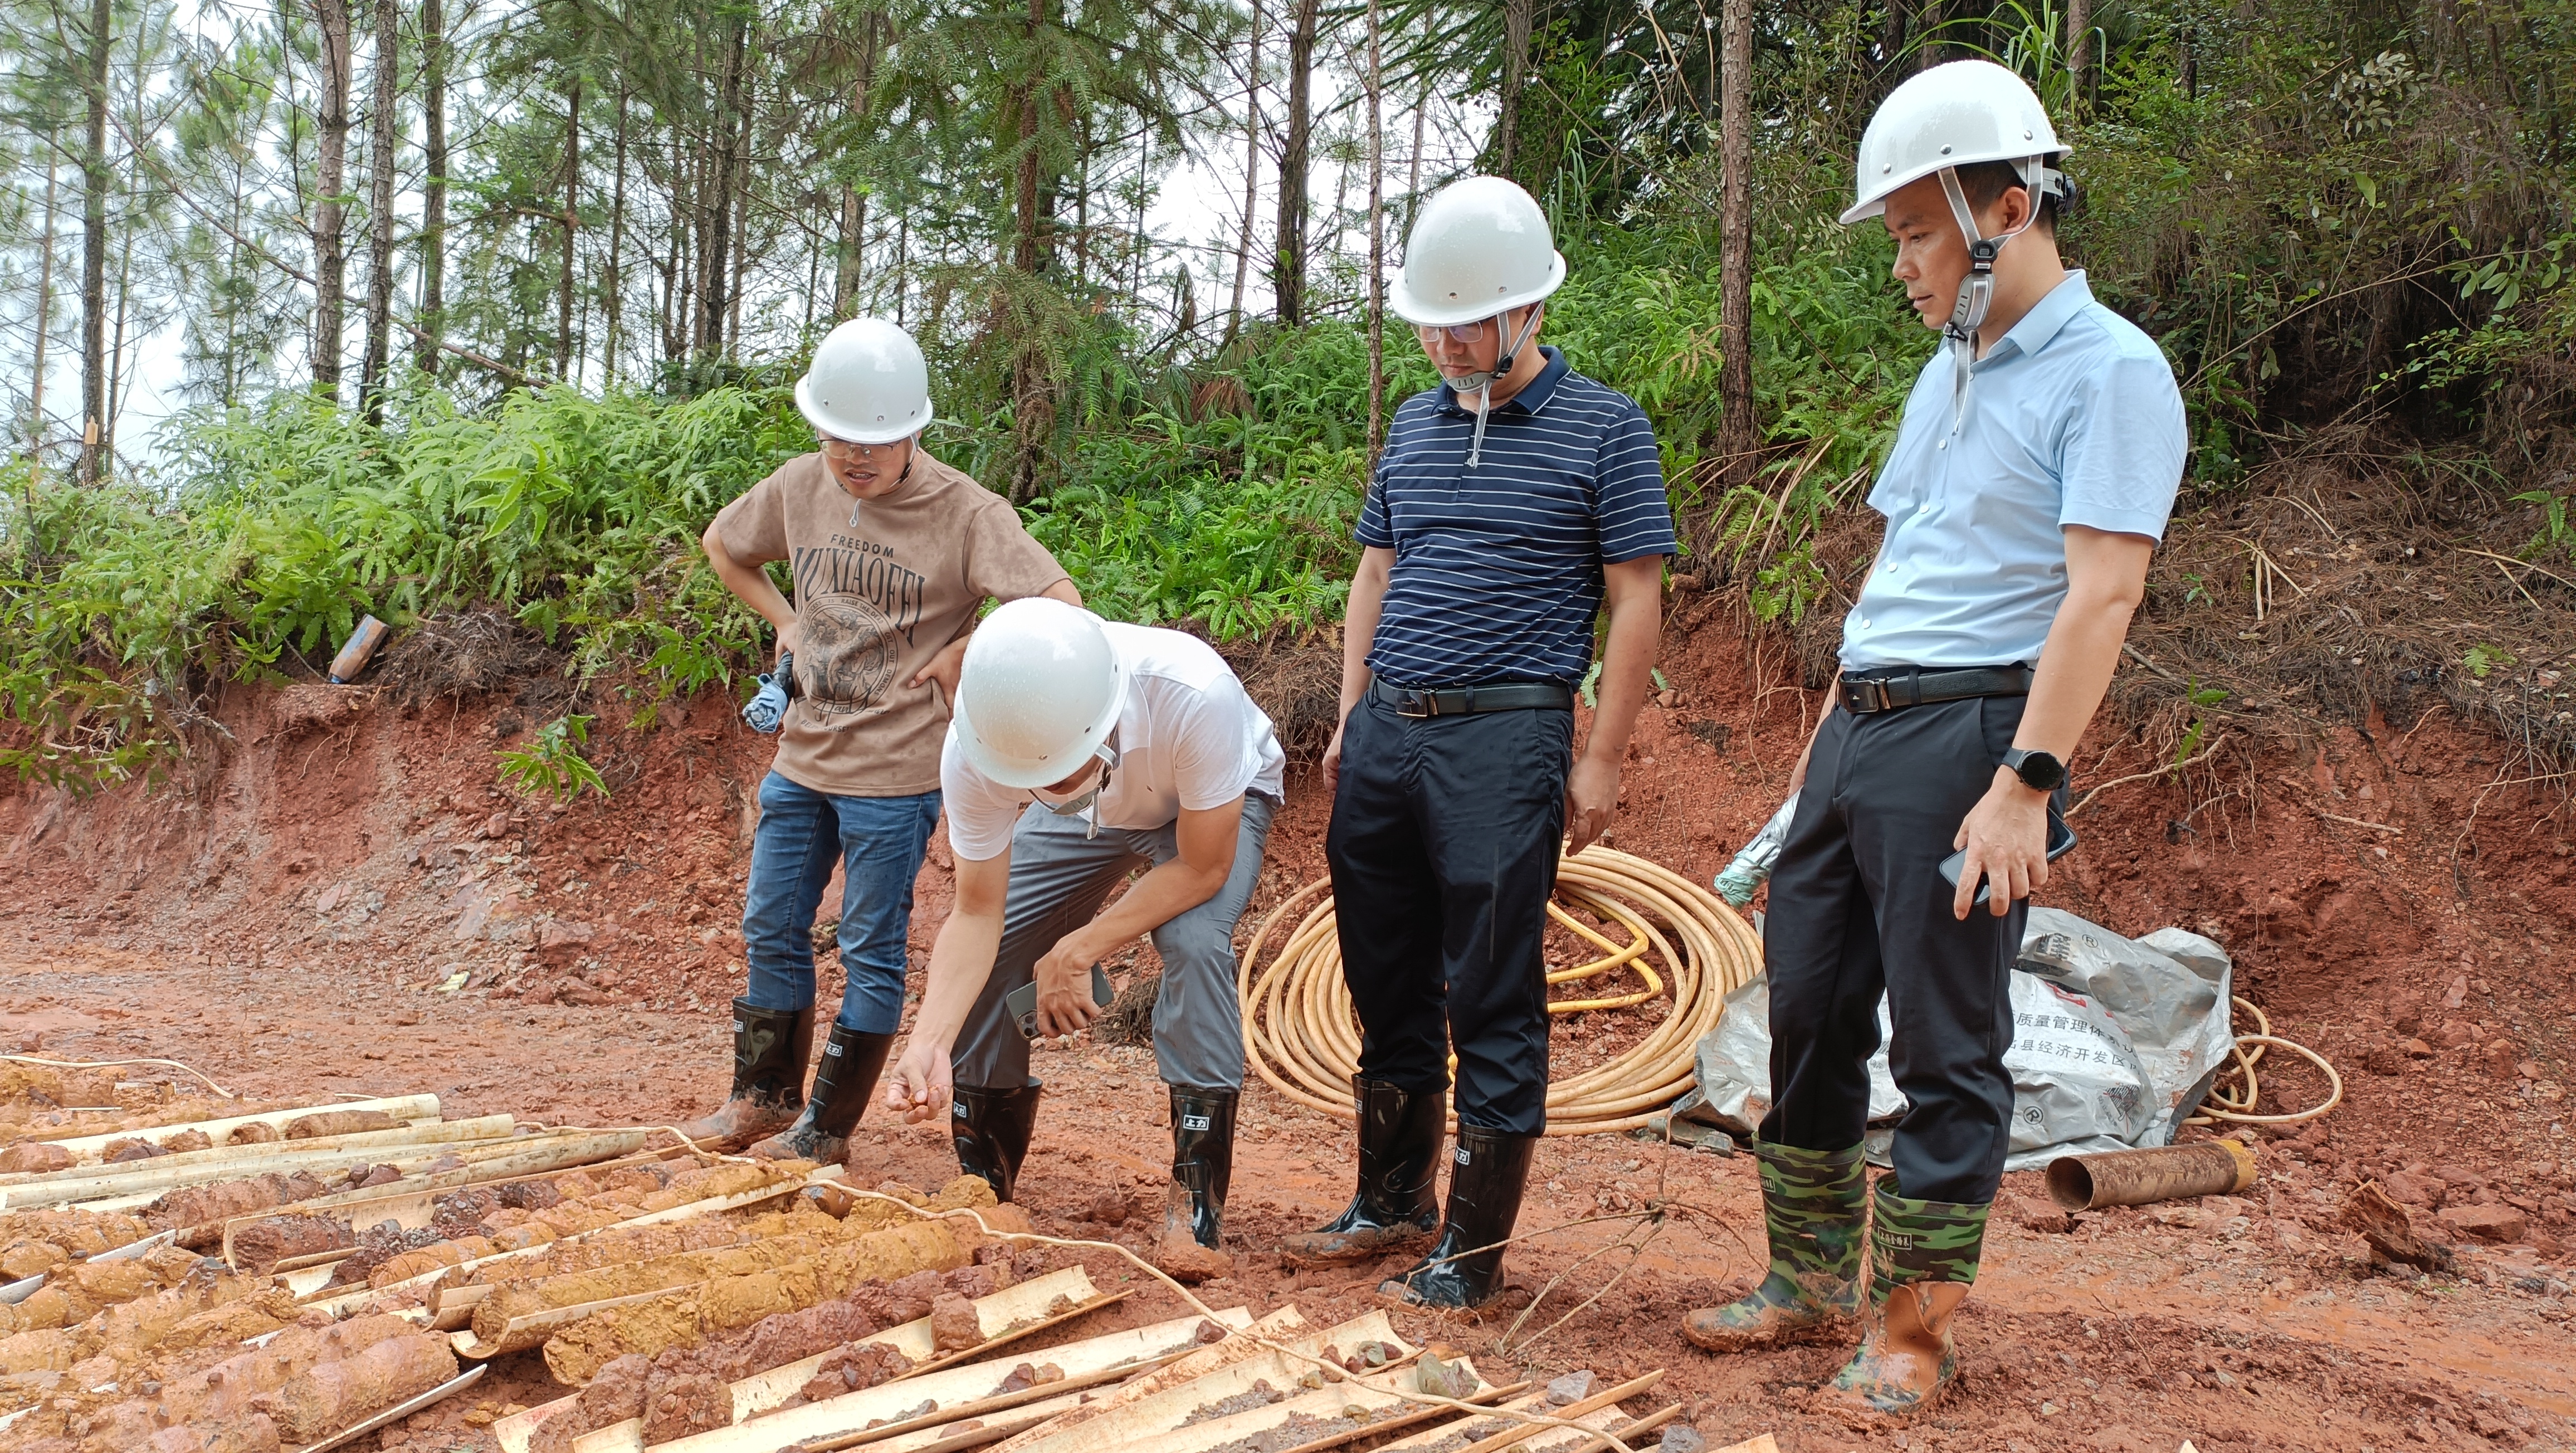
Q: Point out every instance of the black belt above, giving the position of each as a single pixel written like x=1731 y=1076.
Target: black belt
x=1865 y=695
x=1468 y=700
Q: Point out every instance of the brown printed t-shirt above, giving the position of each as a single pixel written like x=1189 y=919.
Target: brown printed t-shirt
x=880 y=586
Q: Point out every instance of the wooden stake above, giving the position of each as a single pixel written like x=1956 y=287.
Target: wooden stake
x=401 y=1107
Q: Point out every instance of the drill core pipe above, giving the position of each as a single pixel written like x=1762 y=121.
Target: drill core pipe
x=1685 y=945
x=2142 y=1177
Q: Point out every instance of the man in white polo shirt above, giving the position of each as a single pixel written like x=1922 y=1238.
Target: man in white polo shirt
x=1081 y=751
x=2039 y=456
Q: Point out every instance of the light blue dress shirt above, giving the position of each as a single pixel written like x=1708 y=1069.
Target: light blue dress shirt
x=2073 y=418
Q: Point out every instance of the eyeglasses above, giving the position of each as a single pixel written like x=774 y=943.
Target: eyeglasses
x=1458 y=332
x=1106 y=754
x=843 y=449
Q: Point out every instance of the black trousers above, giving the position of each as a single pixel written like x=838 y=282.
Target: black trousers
x=1859 y=906
x=1443 y=851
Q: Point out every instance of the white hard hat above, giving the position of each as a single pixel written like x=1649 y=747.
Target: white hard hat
x=1480 y=247
x=1040 y=689
x=868 y=384
x=1953 y=115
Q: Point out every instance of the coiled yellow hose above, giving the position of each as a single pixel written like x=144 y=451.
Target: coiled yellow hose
x=1685 y=945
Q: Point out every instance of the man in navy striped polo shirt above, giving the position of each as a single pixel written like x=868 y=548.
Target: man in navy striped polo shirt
x=1511 y=504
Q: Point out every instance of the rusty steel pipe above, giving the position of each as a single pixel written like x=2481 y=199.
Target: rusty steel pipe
x=2139 y=1177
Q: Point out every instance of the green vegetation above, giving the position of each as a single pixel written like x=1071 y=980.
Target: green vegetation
x=2353 y=231
x=550 y=761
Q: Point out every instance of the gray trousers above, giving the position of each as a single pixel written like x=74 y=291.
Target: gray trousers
x=1059 y=879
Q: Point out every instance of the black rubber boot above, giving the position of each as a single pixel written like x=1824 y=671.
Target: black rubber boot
x=1194 y=1202
x=1399 y=1159
x=1465 y=1266
x=770 y=1049
x=991 y=1128
x=852 y=1060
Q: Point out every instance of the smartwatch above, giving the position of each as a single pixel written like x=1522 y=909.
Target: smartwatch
x=2038 y=771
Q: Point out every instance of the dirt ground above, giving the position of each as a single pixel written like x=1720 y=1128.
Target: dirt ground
x=345 y=901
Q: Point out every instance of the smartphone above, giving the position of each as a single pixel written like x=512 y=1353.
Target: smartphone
x=2061 y=840
x=1022 y=1002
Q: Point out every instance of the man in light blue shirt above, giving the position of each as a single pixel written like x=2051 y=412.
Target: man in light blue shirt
x=2031 y=479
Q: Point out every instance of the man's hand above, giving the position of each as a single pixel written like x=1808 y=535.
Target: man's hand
x=1591 y=800
x=944 y=666
x=1064 y=987
x=921 y=1084
x=2006 y=838
x=786 y=646
x=1333 y=755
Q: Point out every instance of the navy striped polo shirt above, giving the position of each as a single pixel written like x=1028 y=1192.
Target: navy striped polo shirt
x=1498 y=570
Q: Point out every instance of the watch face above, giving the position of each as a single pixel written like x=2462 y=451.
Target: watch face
x=2040 y=771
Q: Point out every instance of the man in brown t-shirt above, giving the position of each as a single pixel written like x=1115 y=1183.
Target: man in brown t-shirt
x=891 y=553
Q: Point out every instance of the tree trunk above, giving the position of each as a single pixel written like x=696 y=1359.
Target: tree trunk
x=1929 y=54
x=44 y=319
x=383 y=137
x=611 y=300
x=1891 y=44
x=2079 y=35
x=95 y=181
x=854 y=203
x=1516 y=44
x=1376 y=233
x=1738 y=435
x=433 y=185
x=571 y=224
x=1032 y=400
x=1251 y=177
x=715 y=260
x=1288 y=272
x=331 y=133
x=1025 y=245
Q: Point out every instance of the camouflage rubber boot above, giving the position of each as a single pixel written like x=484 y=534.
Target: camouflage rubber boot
x=1813 y=1206
x=1922 y=1257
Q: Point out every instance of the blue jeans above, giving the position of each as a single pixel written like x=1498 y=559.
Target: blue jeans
x=879 y=842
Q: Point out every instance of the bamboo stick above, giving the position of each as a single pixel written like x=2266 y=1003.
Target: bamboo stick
x=1485 y=1396
x=401 y=1107
x=958 y=1392
x=231 y=1162
x=1285 y=1322
x=410 y=1203
x=1375 y=1393
x=999 y=1402
x=1170 y=1407
x=1005 y=1316
x=400 y=1411
x=349 y=1301
x=417 y=1161
x=1513 y=1437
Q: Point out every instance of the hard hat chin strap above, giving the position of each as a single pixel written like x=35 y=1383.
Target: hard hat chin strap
x=1482 y=384
x=1977 y=289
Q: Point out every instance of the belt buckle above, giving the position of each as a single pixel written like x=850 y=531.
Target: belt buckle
x=1414 y=704
x=1868 y=697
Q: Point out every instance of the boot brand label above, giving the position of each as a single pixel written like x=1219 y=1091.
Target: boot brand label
x=832 y=1049
x=1461 y=1156
x=1194 y=1122
x=957 y=1108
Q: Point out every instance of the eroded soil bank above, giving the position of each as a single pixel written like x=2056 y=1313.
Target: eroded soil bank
x=289 y=918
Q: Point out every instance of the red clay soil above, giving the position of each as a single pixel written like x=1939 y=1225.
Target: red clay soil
x=290 y=923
